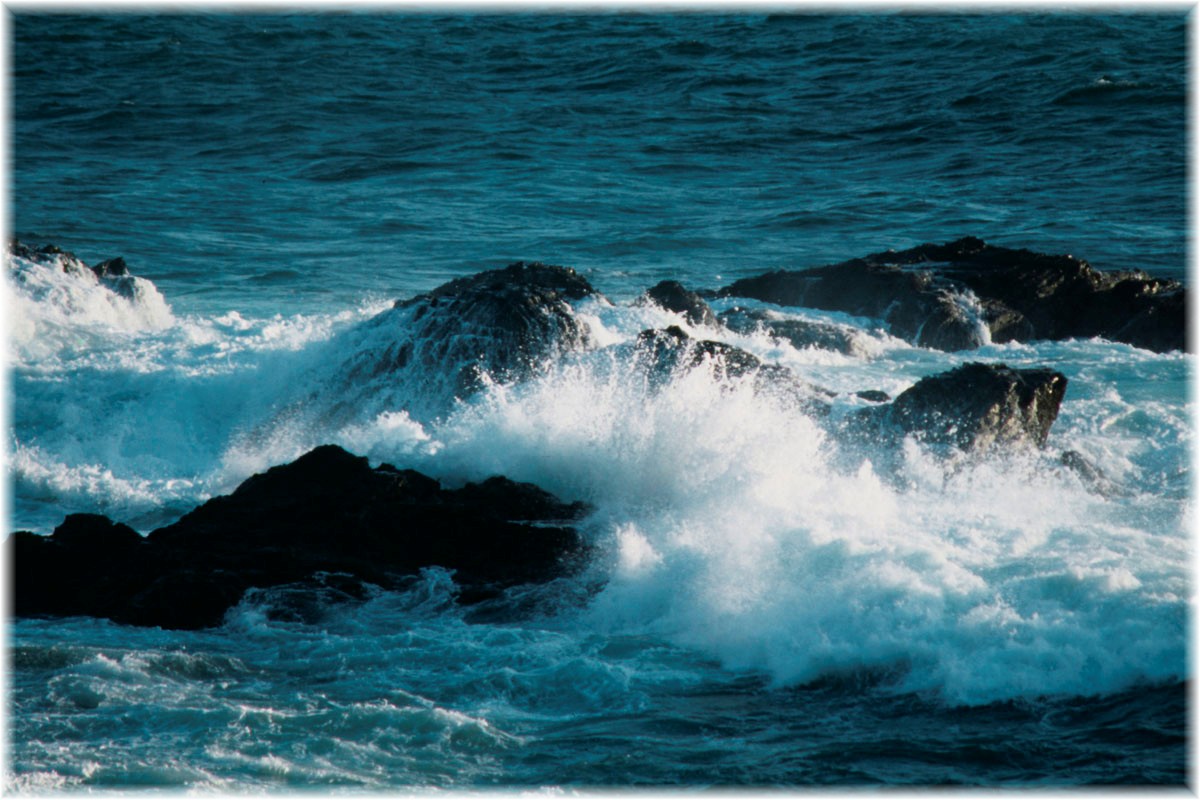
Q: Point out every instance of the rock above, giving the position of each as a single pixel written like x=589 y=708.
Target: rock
x=873 y=395
x=664 y=353
x=112 y=268
x=943 y=296
x=1057 y=296
x=916 y=305
x=49 y=255
x=113 y=273
x=974 y=407
x=799 y=333
x=672 y=296
x=328 y=512
x=502 y=325
x=1161 y=326
x=89 y=566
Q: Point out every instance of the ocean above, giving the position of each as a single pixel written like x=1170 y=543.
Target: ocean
x=765 y=609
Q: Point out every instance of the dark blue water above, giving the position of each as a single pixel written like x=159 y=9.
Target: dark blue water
x=337 y=153
x=765 y=617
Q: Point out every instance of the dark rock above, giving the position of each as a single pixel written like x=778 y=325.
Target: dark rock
x=95 y=532
x=873 y=395
x=49 y=255
x=799 y=333
x=113 y=273
x=976 y=407
x=88 y=566
x=1160 y=326
x=502 y=325
x=952 y=322
x=326 y=513
x=940 y=295
x=915 y=304
x=1006 y=324
x=664 y=353
x=112 y=268
x=672 y=296
x=1059 y=296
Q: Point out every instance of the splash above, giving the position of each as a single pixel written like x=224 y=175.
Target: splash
x=730 y=520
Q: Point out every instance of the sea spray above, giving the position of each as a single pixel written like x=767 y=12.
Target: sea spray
x=730 y=520
x=732 y=530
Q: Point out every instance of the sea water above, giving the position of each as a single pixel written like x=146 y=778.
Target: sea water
x=769 y=605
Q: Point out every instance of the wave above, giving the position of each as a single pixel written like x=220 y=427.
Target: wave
x=57 y=300
x=730 y=520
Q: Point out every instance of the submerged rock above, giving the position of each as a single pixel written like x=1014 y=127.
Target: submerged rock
x=973 y=407
x=946 y=296
x=1090 y=475
x=327 y=513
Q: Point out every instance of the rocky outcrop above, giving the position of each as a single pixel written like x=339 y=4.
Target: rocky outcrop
x=501 y=323
x=672 y=296
x=943 y=296
x=48 y=255
x=973 y=408
x=326 y=519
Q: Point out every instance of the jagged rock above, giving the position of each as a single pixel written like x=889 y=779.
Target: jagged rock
x=48 y=255
x=915 y=304
x=672 y=296
x=113 y=273
x=1062 y=296
x=973 y=407
x=873 y=395
x=326 y=513
x=939 y=295
x=799 y=333
x=112 y=268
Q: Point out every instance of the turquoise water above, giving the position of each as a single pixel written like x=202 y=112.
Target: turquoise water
x=769 y=606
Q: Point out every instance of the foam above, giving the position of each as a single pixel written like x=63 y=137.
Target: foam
x=733 y=527
x=727 y=521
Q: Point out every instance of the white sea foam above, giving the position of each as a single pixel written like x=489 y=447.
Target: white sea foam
x=59 y=303
x=733 y=532
x=728 y=521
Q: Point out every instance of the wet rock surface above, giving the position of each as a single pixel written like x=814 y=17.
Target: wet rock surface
x=113 y=273
x=974 y=408
x=327 y=513
x=673 y=296
x=500 y=325
x=915 y=305
x=938 y=296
